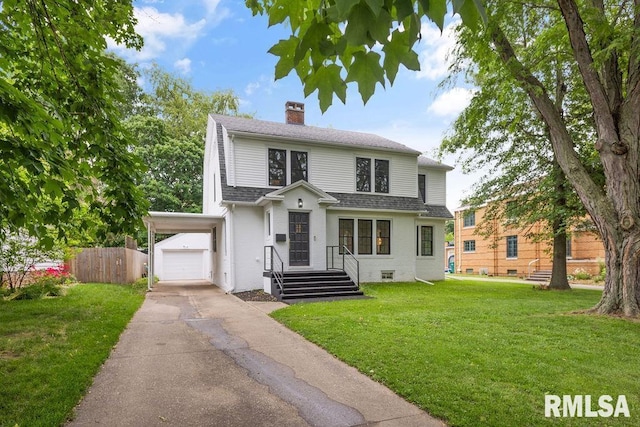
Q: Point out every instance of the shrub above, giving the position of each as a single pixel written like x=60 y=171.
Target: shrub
x=580 y=274
x=37 y=291
x=602 y=274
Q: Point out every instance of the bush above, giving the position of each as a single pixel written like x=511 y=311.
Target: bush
x=37 y=291
x=580 y=274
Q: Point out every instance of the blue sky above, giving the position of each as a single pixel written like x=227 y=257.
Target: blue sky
x=219 y=45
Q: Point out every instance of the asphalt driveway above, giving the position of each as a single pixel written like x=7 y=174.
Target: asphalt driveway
x=195 y=356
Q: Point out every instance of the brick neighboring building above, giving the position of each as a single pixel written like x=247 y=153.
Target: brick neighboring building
x=509 y=253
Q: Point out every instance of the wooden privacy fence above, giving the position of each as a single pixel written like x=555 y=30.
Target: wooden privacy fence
x=108 y=265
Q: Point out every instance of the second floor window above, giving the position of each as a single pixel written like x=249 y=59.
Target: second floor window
x=382 y=176
x=365 y=175
x=469 y=219
x=422 y=187
x=298 y=166
x=277 y=167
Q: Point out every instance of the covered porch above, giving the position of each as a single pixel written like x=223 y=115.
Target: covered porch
x=175 y=223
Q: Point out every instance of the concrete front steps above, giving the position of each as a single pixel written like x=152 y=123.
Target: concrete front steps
x=325 y=285
x=540 y=276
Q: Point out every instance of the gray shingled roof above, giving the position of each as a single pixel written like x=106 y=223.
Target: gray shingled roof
x=430 y=163
x=309 y=133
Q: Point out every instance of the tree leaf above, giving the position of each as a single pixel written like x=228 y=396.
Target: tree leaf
x=327 y=81
x=366 y=71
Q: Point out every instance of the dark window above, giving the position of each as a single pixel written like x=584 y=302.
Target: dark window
x=345 y=234
x=469 y=245
x=363 y=174
x=512 y=246
x=569 y=248
x=214 y=239
x=365 y=246
x=422 y=187
x=277 y=167
x=298 y=166
x=426 y=240
x=382 y=176
x=383 y=237
x=470 y=219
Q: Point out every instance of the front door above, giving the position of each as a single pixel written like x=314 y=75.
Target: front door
x=298 y=238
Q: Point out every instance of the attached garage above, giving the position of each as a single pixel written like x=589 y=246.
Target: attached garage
x=188 y=254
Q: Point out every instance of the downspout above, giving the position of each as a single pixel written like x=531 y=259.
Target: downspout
x=423 y=281
x=232 y=254
x=151 y=243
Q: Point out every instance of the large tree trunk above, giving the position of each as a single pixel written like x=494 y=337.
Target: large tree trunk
x=615 y=209
x=559 y=271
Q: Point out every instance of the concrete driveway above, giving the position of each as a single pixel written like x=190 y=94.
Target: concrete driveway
x=195 y=356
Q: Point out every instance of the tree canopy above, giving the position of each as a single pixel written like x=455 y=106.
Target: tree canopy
x=62 y=144
x=169 y=126
x=335 y=42
x=333 y=37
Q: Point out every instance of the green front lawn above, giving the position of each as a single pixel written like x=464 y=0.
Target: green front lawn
x=50 y=349
x=481 y=353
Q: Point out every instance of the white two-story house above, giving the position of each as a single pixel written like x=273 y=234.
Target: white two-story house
x=299 y=197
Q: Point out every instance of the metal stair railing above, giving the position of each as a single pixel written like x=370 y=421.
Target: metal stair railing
x=347 y=262
x=275 y=265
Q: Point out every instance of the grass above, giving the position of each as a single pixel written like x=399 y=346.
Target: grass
x=481 y=353
x=50 y=349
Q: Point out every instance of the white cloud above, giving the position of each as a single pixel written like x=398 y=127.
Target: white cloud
x=214 y=13
x=451 y=103
x=164 y=32
x=433 y=58
x=183 y=65
x=264 y=83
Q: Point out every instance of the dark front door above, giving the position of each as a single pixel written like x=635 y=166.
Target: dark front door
x=298 y=238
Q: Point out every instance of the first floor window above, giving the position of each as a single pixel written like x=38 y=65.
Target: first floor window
x=364 y=236
x=512 y=246
x=277 y=167
x=469 y=245
x=365 y=246
x=425 y=239
x=383 y=237
x=345 y=235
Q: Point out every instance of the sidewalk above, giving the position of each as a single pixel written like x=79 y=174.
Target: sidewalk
x=516 y=280
x=194 y=356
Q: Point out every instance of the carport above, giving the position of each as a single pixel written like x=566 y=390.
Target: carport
x=174 y=223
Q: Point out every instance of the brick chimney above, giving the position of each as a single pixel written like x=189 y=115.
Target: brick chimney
x=294 y=113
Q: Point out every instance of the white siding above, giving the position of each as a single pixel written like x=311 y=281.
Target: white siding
x=430 y=267
x=404 y=172
x=251 y=167
x=330 y=168
x=247 y=248
x=436 y=187
x=401 y=261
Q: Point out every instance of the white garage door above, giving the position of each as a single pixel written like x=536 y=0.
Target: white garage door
x=183 y=264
